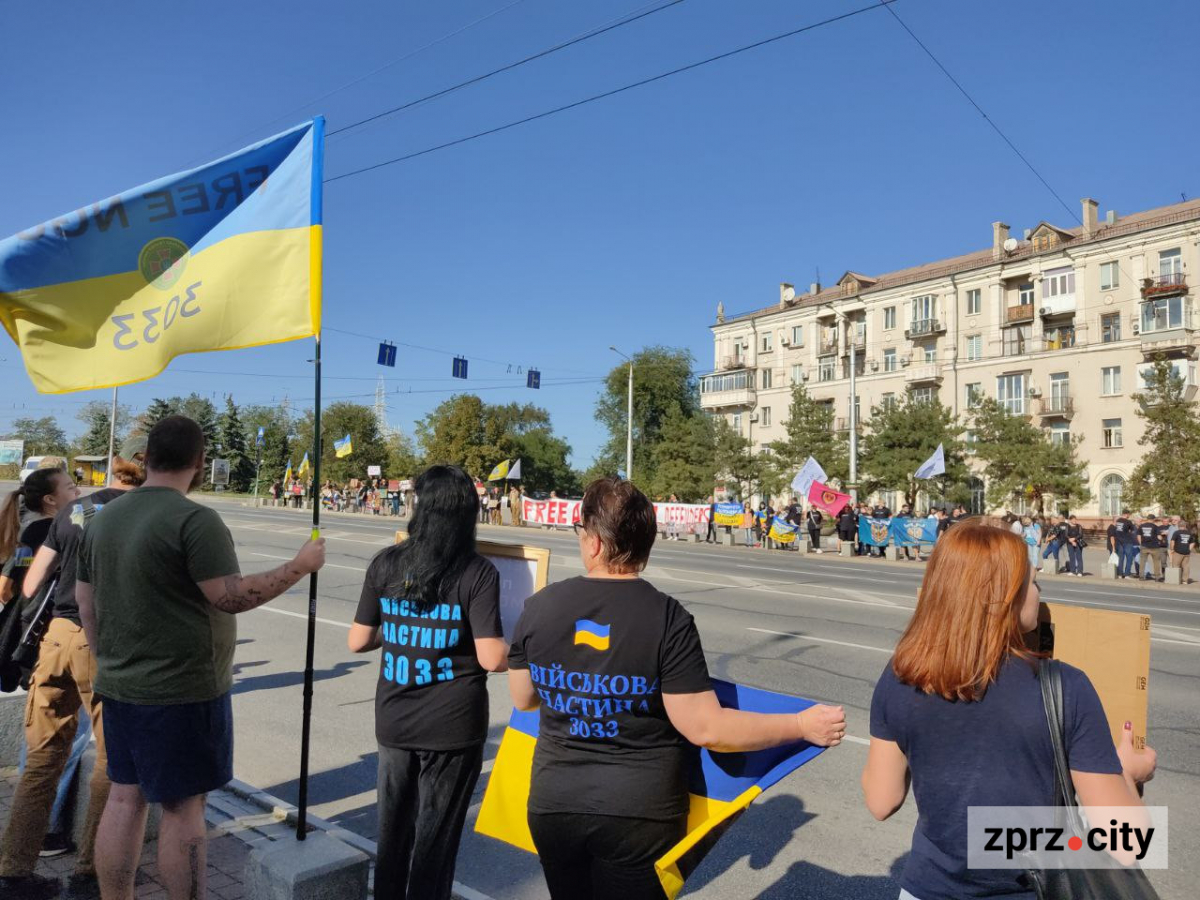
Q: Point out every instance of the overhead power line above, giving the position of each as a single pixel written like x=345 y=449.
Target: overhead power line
x=613 y=92
x=628 y=19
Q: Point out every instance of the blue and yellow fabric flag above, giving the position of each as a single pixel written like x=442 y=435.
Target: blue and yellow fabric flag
x=500 y=472
x=220 y=257
x=287 y=475
x=304 y=466
x=720 y=785
x=343 y=448
x=782 y=531
x=728 y=514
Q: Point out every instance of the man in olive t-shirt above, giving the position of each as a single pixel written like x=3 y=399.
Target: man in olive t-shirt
x=157 y=586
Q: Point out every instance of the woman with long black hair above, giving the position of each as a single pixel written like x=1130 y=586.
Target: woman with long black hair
x=25 y=520
x=433 y=604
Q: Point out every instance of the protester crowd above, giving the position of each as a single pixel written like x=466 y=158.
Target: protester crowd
x=132 y=593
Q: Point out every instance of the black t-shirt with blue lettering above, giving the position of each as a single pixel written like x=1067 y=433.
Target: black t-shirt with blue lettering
x=432 y=692
x=601 y=653
x=990 y=752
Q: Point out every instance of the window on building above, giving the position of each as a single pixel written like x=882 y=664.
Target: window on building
x=977 y=502
x=1110 y=380
x=889 y=360
x=1060 y=433
x=924 y=310
x=1110 y=276
x=827 y=368
x=888 y=401
x=1058 y=283
x=797 y=335
x=1183 y=369
x=1110 y=328
x=975 y=346
x=1010 y=391
x=1060 y=392
x=857 y=412
x=1060 y=337
x=730 y=381
x=970 y=440
x=921 y=395
x=765 y=343
x=1112 y=487
x=766 y=378
x=974 y=395
x=889 y=318
x=764 y=416
x=1112 y=433
x=974 y=301
x=737 y=422
x=1166 y=313
x=797 y=374
x=1025 y=295
x=1170 y=262
x=931 y=354
x=1017 y=339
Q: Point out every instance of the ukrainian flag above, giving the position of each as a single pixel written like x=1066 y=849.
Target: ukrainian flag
x=287 y=475
x=220 y=257
x=728 y=514
x=304 y=466
x=592 y=634
x=782 y=530
x=720 y=785
x=343 y=448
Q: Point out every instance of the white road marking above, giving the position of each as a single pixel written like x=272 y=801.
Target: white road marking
x=328 y=565
x=296 y=615
x=856 y=740
x=809 y=637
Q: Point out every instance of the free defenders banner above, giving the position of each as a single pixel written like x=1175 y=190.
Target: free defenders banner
x=682 y=516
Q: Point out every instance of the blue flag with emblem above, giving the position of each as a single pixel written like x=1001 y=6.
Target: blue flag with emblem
x=720 y=785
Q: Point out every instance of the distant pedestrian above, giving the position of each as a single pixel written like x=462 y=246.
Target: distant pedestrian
x=1075 y=544
x=813 y=519
x=1182 y=542
x=847 y=526
x=748 y=524
x=1031 y=532
x=710 y=536
x=514 y=506
x=1125 y=538
x=1152 y=548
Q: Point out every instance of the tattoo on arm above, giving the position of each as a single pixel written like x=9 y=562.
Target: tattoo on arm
x=244 y=593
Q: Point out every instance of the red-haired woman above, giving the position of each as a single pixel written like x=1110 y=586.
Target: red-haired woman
x=958 y=714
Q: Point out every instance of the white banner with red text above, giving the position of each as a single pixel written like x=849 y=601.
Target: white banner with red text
x=675 y=517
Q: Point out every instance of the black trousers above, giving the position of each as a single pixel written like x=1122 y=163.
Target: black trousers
x=586 y=857
x=424 y=796
x=814 y=535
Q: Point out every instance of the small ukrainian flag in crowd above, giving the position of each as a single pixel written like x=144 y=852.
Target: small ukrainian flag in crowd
x=721 y=786
x=287 y=476
x=343 y=448
x=304 y=466
x=592 y=634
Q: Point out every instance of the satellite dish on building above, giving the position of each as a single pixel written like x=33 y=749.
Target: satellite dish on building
x=1010 y=245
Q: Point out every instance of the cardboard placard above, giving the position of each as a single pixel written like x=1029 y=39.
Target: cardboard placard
x=1113 y=649
x=523 y=570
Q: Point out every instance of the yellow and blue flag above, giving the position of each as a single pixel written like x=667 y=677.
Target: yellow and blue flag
x=304 y=466
x=720 y=785
x=592 y=634
x=220 y=257
x=728 y=514
x=343 y=448
x=287 y=475
x=500 y=472
x=782 y=531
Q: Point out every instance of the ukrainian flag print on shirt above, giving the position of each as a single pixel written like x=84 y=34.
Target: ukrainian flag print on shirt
x=592 y=634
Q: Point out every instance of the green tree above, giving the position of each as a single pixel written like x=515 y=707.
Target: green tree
x=457 y=433
x=202 y=411
x=544 y=465
x=810 y=432
x=662 y=381
x=276 y=449
x=735 y=460
x=42 y=436
x=338 y=420
x=95 y=418
x=158 y=410
x=1169 y=473
x=1020 y=460
x=403 y=461
x=903 y=435
x=685 y=457
x=231 y=445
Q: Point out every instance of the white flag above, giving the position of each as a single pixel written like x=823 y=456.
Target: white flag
x=810 y=472
x=514 y=474
x=935 y=465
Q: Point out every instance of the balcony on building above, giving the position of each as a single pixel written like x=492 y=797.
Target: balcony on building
x=1056 y=406
x=1061 y=305
x=1166 y=285
x=860 y=366
x=829 y=343
x=1059 y=337
x=927 y=374
x=1022 y=312
x=729 y=389
x=1167 y=324
x=919 y=328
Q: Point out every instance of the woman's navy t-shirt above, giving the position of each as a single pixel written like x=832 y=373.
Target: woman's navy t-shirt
x=994 y=751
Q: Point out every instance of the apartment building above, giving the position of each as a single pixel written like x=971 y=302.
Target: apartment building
x=1059 y=325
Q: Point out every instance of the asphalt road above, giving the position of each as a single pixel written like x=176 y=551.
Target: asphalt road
x=818 y=626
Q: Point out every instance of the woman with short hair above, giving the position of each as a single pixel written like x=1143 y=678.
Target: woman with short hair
x=609 y=789
x=958 y=714
x=433 y=604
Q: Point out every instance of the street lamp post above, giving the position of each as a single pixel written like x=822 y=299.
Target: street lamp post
x=629 y=419
x=841 y=317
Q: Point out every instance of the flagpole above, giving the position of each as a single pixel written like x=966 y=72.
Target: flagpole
x=310 y=648
x=112 y=438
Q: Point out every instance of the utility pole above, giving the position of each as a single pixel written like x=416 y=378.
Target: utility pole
x=112 y=437
x=629 y=419
x=850 y=336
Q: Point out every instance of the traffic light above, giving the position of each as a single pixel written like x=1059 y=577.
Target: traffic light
x=533 y=379
x=460 y=367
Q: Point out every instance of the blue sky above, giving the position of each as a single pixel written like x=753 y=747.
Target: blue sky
x=623 y=222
